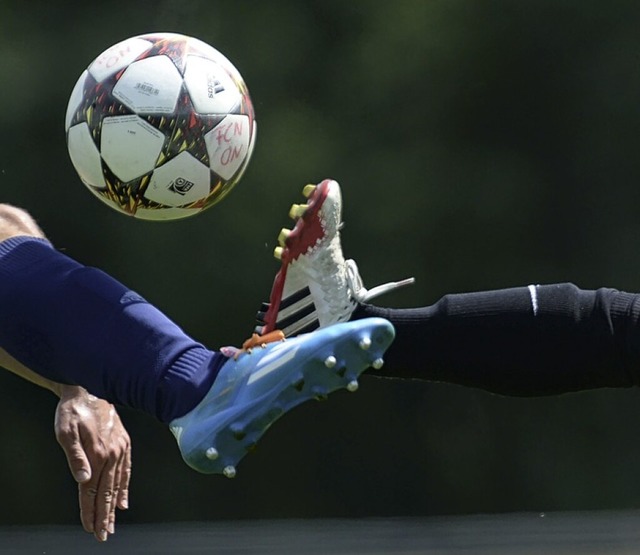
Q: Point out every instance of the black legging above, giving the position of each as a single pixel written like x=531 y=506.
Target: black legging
x=525 y=341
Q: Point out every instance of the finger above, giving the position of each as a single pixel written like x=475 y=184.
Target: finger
x=125 y=478
x=116 y=494
x=87 y=493
x=104 y=498
x=77 y=460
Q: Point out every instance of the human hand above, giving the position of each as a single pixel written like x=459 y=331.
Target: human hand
x=98 y=450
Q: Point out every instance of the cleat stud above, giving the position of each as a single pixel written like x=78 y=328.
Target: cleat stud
x=365 y=343
x=238 y=431
x=284 y=234
x=353 y=386
x=320 y=393
x=378 y=363
x=330 y=361
x=297 y=211
x=211 y=453
x=308 y=190
x=229 y=471
x=277 y=253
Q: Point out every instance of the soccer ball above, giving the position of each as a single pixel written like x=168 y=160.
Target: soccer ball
x=160 y=126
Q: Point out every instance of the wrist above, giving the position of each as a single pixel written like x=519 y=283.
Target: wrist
x=65 y=391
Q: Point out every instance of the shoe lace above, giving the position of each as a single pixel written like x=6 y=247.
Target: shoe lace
x=256 y=340
x=360 y=293
x=261 y=340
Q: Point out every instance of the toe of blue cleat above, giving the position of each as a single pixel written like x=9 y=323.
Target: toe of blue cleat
x=251 y=392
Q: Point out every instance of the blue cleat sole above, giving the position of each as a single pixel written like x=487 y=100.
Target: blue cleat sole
x=252 y=392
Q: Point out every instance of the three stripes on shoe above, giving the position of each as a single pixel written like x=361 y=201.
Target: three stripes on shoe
x=297 y=314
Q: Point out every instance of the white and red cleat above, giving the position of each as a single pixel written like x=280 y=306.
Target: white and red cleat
x=315 y=286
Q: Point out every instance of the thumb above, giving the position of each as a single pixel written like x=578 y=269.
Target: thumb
x=83 y=475
x=78 y=462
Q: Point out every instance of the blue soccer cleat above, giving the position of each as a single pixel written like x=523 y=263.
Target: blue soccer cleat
x=254 y=389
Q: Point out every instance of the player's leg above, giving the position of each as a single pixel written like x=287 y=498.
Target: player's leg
x=526 y=341
x=522 y=341
x=74 y=324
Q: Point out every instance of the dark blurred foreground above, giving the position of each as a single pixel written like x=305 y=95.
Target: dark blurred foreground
x=516 y=534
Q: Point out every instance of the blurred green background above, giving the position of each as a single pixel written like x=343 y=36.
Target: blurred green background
x=479 y=143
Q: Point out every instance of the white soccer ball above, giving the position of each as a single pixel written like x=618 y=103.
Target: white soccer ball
x=160 y=126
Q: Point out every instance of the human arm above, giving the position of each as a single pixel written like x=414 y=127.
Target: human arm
x=97 y=447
